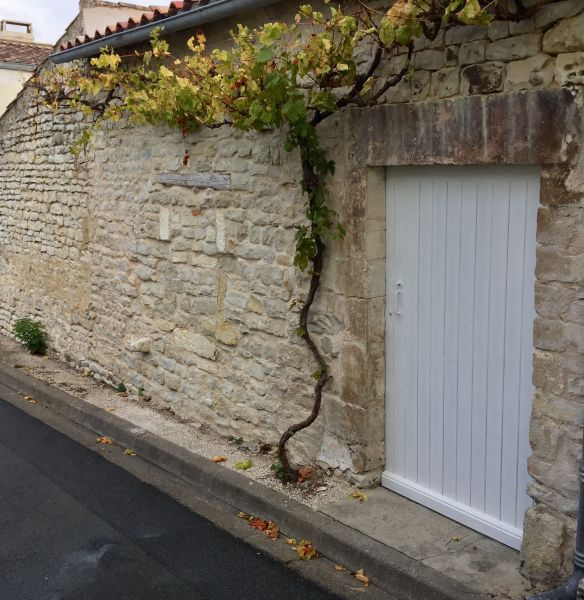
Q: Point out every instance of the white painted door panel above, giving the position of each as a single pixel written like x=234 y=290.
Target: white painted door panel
x=460 y=310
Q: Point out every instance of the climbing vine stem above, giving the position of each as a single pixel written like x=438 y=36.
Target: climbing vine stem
x=279 y=76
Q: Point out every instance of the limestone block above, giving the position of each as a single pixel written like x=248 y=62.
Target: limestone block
x=498 y=30
x=227 y=334
x=142 y=344
x=570 y=68
x=514 y=48
x=164 y=231
x=465 y=33
x=451 y=56
x=566 y=36
x=420 y=85
x=472 y=53
x=550 y=13
x=195 y=342
x=429 y=60
x=485 y=78
x=550 y=335
x=523 y=26
x=543 y=537
x=537 y=71
x=445 y=83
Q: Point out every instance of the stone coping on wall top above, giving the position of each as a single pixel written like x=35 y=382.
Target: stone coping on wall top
x=541 y=127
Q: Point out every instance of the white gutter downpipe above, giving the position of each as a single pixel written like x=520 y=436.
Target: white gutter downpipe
x=220 y=9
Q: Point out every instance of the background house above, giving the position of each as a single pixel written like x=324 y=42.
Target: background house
x=451 y=314
x=19 y=56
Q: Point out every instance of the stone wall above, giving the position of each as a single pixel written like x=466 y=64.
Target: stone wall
x=186 y=291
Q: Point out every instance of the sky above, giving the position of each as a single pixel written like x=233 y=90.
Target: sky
x=49 y=18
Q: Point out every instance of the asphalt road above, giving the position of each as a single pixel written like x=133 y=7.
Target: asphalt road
x=74 y=526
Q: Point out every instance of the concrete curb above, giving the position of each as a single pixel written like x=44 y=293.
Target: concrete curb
x=389 y=569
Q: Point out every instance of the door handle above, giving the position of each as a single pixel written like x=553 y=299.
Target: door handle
x=398 y=299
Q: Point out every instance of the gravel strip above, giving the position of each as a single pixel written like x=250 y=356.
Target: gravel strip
x=315 y=493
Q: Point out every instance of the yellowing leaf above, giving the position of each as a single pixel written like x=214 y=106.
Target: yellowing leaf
x=30 y=399
x=244 y=515
x=129 y=452
x=360 y=576
x=305 y=550
x=104 y=440
x=304 y=473
x=339 y=568
x=243 y=465
x=165 y=72
x=359 y=496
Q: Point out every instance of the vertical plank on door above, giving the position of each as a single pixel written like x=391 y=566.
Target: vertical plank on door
x=512 y=348
x=482 y=284
x=425 y=301
x=436 y=326
x=466 y=286
x=451 y=332
x=496 y=345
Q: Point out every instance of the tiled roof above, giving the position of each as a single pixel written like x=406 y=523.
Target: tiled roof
x=155 y=13
x=23 y=53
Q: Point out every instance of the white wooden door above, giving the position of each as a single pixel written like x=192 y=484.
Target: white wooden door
x=460 y=309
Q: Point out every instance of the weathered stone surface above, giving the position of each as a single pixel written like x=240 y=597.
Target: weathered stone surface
x=537 y=71
x=420 y=85
x=227 y=334
x=142 y=344
x=195 y=342
x=570 y=69
x=566 y=36
x=445 y=83
x=472 y=52
x=550 y=13
x=429 y=60
x=514 y=48
x=216 y=181
x=478 y=130
x=543 y=536
x=461 y=34
x=483 y=79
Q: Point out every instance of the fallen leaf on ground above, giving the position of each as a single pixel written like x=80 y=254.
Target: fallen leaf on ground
x=244 y=515
x=219 y=459
x=111 y=409
x=291 y=541
x=304 y=474
x=30 y=399
x=129 y=452
x=339 y=568
x=359 y=496
x=305 y=550
x=360 y=576
x=455 y=538
x=243 y=465
x=104 y=440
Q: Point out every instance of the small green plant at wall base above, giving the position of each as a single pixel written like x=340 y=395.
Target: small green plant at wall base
x=121 y=388
x=278 y=469
x=32 y=334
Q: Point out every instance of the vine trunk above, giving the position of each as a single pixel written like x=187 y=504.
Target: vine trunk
x=290 y=473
